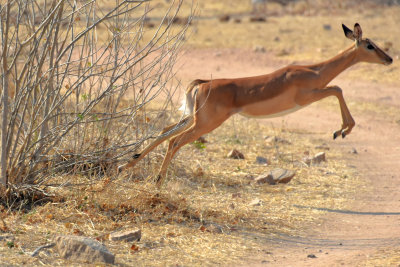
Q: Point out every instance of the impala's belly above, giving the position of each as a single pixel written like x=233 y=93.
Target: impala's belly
x=272 y=115
x=271 y=108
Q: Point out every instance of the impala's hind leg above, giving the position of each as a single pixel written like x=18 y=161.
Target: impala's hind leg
x=198 y=129
x=165 y=134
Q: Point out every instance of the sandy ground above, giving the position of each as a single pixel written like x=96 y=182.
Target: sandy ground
x=346 y=237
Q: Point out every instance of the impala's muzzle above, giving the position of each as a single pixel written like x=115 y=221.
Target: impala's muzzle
x=388 y=61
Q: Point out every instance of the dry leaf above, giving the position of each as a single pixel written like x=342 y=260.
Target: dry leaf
x=76 y=231
x=134 y=248
x=171 y=234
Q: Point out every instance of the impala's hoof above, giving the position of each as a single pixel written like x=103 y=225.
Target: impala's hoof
x=136 y=156
x=343 y=135
x=335 y=135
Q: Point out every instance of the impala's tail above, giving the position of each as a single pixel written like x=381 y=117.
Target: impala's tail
x=188 y=102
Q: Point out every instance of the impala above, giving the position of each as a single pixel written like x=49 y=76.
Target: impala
x=210 y=102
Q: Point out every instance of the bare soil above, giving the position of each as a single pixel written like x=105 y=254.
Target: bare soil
x=370 y=230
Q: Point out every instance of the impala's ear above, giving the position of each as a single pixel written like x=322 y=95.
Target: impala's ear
x=357 y=32
x=349 y=33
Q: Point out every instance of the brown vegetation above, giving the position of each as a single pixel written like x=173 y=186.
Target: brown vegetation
x=203 y=215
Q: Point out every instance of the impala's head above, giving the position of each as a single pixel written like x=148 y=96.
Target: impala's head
x=366 y=49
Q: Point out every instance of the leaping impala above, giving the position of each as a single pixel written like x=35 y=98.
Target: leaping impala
x=271 y=95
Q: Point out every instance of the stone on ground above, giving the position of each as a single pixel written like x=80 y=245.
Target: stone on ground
x=261 y=160
x=255 y=202
x=83 y=249
x=282 y=175
x=317 y=159
x=265 y=178
x=235 y=154
x=126 y=235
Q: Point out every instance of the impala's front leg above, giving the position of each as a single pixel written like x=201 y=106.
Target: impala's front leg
x=347 y=120
x=311 y=96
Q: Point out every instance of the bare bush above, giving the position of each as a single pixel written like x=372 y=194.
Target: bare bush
x=77 y=77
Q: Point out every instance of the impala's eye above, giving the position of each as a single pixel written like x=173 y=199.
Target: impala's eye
x=370 y=47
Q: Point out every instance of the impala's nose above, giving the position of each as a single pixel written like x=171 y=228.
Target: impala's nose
x=388 y=61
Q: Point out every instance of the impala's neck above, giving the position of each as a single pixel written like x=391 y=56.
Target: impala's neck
x=331 y=68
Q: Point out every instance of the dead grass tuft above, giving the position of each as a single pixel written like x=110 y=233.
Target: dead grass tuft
x=203 y=214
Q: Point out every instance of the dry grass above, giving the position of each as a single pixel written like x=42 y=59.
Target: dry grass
x=384 y=257
x=208 y=192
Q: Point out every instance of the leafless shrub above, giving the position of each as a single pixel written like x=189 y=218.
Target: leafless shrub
x=77 y=78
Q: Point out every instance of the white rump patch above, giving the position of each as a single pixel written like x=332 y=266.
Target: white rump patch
x=184 y=107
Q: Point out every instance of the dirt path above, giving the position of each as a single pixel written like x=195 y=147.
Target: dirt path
x=346 y=237
x=349 y=237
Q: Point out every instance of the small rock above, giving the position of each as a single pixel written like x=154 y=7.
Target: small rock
x=149 y=24
x=237 y=20
x=282 y=53
x=276 y=139
x=258 y=19
x=312 y=256
x=282 y=176
x=318 y=158
x=235 y=154
x=127 y=235
x=180 y=20
x=265 y=178
x=259 y=49
x=261 y=160
x=353 y=151
x=277 y=39
x=83 y=249
x=224 y=18
x=327 y=27
x=255 y=202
